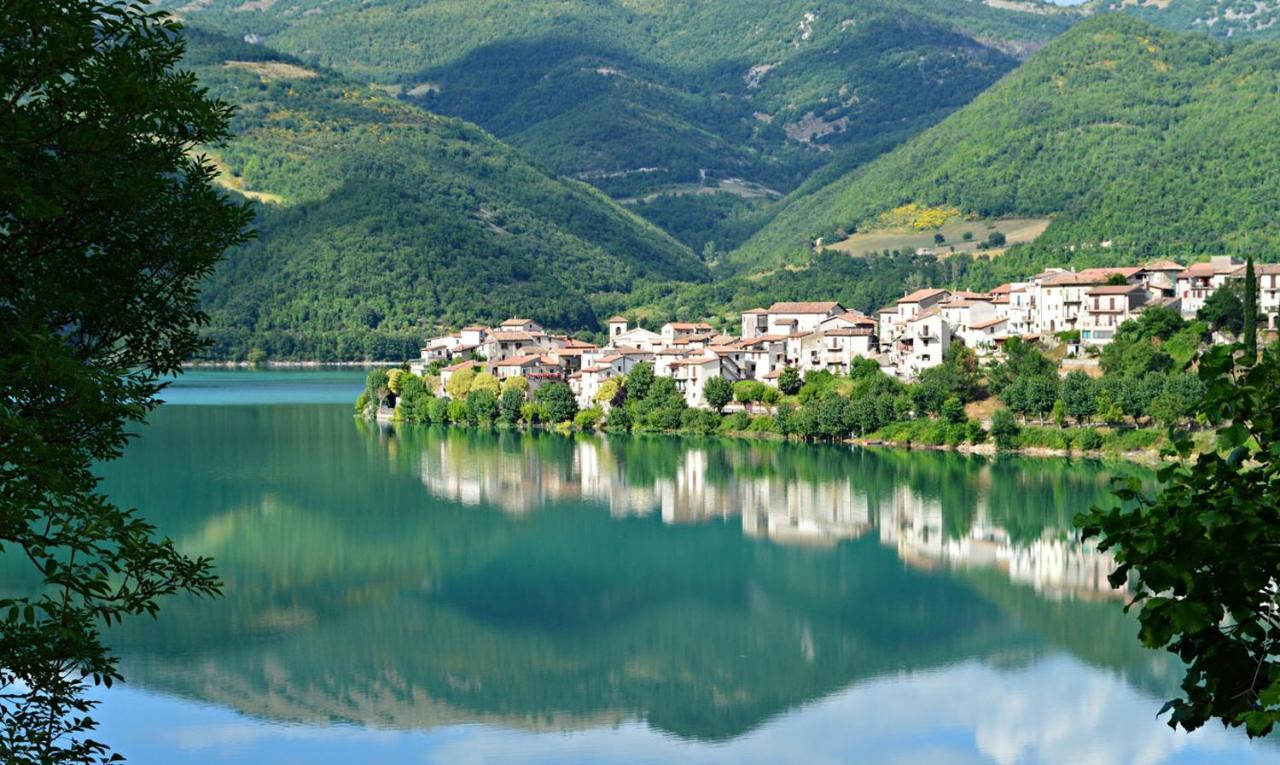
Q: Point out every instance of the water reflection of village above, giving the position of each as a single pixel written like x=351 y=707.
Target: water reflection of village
x=785 y=506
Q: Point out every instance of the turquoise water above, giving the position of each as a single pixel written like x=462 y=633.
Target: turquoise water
x=424 y=595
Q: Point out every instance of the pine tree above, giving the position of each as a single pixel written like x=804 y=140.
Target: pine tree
x=1250 y=310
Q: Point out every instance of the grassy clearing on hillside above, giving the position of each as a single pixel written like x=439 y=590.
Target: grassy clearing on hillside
x=274 y=70
x=734 y=186
x=1016 y=230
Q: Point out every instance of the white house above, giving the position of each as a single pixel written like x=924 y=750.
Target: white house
x=1108 y=307
x=762 y=355
x=982 y=336
x=691 y=374
x=1200 y=280
x=833 y=350
x=586 y=382
x=793 y=318
x=1269 y=293
x=894 y=319
x=533 y=367
x=675 y=330
x=1061 y=296
x=923 y=343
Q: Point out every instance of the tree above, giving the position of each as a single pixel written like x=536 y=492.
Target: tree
x=377 y=385
x=414 y=399
x=1021 y=359
x=1250 y=315
x=509 y=403
x=748 y=392
x=938 y=238
x=485 y=381
x=996 y=239
x=482 y=406
x=109 y=221
x=1224 y=310
x=718 y=393
x=459 y=384
x=611 y=393
x=1203 y=551
x=953 y=410
x=393 y=380
x=517 y=383
x=639 y=380
x=1032 y=395
x=1004 y=429
x=1079 y=395
x=789 y=381
x=556 y=402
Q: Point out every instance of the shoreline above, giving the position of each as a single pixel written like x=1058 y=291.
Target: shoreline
x=1147 y=457
x=1141 y=456
x=269 y=364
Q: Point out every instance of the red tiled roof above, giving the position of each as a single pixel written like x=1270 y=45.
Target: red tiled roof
x=1115 y=289
x=989 y=322
x=806 y=307
x=520 y=361
x=512 y=337
x=461 y=365
x=920 y=295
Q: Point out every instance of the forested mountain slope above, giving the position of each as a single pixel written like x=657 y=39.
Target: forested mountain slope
x=637 y=96
x=381 y=222
x=1153 y=141
x=1222 y=18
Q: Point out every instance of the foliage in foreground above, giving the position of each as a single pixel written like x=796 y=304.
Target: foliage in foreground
x=1203 y=553
x=108 y=221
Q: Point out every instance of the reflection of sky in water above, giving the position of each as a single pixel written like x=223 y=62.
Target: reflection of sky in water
x=1055 y=712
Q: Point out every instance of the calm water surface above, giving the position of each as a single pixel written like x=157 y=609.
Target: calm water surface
x=423 y=595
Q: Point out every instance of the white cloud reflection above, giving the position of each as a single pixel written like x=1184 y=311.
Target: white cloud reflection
x=1055 y=712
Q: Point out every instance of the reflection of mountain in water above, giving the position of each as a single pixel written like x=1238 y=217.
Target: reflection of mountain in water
x=353 y=595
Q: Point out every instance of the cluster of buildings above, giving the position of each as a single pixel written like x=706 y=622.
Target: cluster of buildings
x=904 y=338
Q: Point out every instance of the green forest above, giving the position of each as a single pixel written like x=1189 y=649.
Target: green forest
x=1158 y=142
x=381 y=222
x=387 y=222
x=636 y=97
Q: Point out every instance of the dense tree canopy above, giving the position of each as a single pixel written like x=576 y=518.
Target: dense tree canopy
x=1203 y=552
x=108 y=221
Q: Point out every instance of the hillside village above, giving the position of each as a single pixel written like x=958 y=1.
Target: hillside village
x=905 y=338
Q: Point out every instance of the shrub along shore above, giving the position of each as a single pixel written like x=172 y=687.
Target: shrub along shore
x=1145 y=390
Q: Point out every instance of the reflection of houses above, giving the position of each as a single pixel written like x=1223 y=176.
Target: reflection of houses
x=1055 y=567
x=715 y=484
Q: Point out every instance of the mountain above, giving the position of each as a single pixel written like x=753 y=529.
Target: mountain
x=379 y=222
x=745 y=97
x=1222 y=18
x=1133 y=139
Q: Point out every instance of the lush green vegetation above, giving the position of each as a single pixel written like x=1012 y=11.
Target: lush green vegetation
x=393 y=222
x=1143 y=386
x=1222 y=18
x=109 y=220
x=1155 y=142
x=1202 y=552
x=759 y=89
x=710 y=224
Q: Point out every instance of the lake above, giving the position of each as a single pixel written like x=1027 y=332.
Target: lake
x=448 y=596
